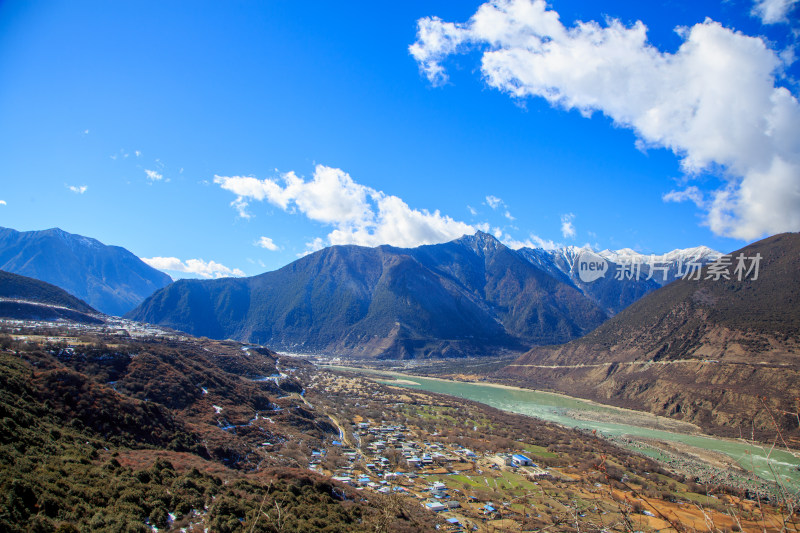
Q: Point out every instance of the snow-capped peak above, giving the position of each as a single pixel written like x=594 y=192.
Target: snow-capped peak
x=627 y=255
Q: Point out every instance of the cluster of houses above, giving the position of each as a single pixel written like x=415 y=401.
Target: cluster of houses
x=412 y=461
x=111 y=326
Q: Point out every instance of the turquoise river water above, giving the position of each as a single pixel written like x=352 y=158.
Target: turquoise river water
x=568 y=411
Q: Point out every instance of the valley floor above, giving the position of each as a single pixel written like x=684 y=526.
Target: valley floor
x=662 y=443
x=456 y=457
x=123 y=427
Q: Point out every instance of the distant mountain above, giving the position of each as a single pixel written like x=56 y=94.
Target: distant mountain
x=26 y=298
x=628 y=277
x=471 y=296
x=109 y=278
x=715 y=352
x=669 y=266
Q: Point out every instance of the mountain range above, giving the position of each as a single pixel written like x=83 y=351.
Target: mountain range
x=712 y=350
x=471 y=296
x=109 y=278
x=616 y=291
x=718 y=352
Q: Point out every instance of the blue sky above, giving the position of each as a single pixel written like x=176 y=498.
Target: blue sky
x=233 y=137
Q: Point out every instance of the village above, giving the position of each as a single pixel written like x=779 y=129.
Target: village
x=391 y=458
x=455 y=462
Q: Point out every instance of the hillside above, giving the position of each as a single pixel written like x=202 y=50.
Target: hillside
x=471 y=296
x=706 y=351
x=13 y=286
x=109 y=278
x=109 y=433
x=30 y=299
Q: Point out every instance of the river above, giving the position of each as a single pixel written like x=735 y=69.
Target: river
x=584 y=414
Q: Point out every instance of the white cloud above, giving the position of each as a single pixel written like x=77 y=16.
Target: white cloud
x=138 y=153
x=567 y=227
x=3 y=202
x=472 y=210
x=78 y=189
x=358 y=214
x=714 y=102
x=317 y=244
x=533 y=241
x=436 y=39
x=266 y=242
x=152 y=175
x=692 y=194
x=773 y=11
x=210 y=269
x=240 y=204
x=494 y=202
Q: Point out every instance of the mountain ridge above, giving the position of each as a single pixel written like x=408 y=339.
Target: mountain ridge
x=616 y=292
x=385 y=302
x=109 y=278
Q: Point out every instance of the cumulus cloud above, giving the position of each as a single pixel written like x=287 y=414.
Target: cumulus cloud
x=714 y=102
x=773 y=11
x=78 y=189
x=567 y=227
x=152 y=175
x=210 y=269
x=266 y=243
x=3 y=202
x=358 y=214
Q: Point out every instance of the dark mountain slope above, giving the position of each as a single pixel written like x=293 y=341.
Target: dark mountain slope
x=109 y=278
x=472 y=296
x=13 y=286
x=536 y=306
x=24 y=298
x=706 y=351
